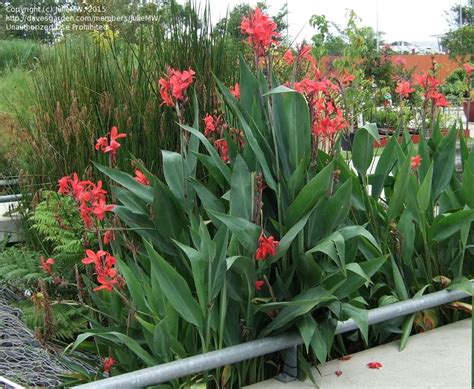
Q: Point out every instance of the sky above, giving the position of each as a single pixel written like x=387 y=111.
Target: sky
x=407 y=20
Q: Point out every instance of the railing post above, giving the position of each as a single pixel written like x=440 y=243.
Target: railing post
x=290 y=365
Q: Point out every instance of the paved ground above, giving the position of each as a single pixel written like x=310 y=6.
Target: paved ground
x=9 y=224
x=436 y=359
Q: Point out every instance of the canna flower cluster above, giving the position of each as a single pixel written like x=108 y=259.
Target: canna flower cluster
x=108 y=363
x=90 y=197
x=303 y=52
x=326 y=118
x=104 y=264
x=261 y=31
x=47 y=265
x=235 y=91
x=404 y=89
x=174 y=85
x=141 y=178
x=108 y=143
x=429 y=85
x=215 y=129
x=266 y=247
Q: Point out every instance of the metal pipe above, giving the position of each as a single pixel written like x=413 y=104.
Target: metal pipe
x=10 y=198
x=218 y=358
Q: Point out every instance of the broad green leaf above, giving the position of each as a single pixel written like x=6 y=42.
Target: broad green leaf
x=444 y=163
x=406 y=227
x=445 y=226
x=309 y=195
x=120 y=340
x=199 y=266
x=292 y=128
x=303 y=303
x=241 y=190
x=424 y=193
x=323 y=337
x=408 y=322
x=399 y=190
x=362 y=151
x=246 y=232
x=306 y=327
x=361 y=318
x=468 y=180
x=175 y=289
x=333 y=246
x=462 y=283
x=384 y=167
x=144 y=192
x=216 y=159
x=173 y=170
x=400 y=286
x=289 y=237
x=250 y=137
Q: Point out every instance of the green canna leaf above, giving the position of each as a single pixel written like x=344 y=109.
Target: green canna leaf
x=175 y=289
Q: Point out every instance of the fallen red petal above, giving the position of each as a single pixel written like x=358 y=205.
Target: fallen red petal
x=338 y=373
x=374 y=365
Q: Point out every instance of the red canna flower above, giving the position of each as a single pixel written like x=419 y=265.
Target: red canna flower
x=415 y=162
x=108 y=143
x=404 y=89
x=174 y=85
x=235 y=91
x=259 y=284
x=267 y=246
x=108 y=237
x=100 y=208
x=468 y=68
x=47 y=265
x=141 y=178
x=374 y=365
x=338 y=373
x=108 y=363
x=209 y=125
x=104 y=267
x=223 y=149
x=440 y=100
x=261 y=31
x=288 y=57
x=63 y=184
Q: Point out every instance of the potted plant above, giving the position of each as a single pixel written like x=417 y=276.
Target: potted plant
x=468 y=107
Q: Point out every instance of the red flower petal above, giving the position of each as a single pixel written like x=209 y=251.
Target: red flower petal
x=338 y=373
x=374 y=365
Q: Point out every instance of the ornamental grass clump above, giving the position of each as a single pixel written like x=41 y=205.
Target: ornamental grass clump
x=277 y=233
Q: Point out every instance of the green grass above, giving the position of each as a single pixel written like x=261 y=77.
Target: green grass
x=18 y=53
x=82 y=88
x=15 y=100
x=15 y=87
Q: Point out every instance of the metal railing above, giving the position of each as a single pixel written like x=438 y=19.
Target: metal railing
x=288 y=341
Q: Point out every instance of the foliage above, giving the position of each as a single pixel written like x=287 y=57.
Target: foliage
x=117 y=86
x=191 y=278
x=19 y=267
x=42 y=10
x=460 y=42
x=460 y=13
x=18 y=53
x=56 y=220
x=455 y=87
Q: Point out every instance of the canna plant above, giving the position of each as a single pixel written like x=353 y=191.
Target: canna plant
x=259 y=225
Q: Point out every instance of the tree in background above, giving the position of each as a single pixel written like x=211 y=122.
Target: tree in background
x=459 y=41
x=42 y=9
x=461 y=15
